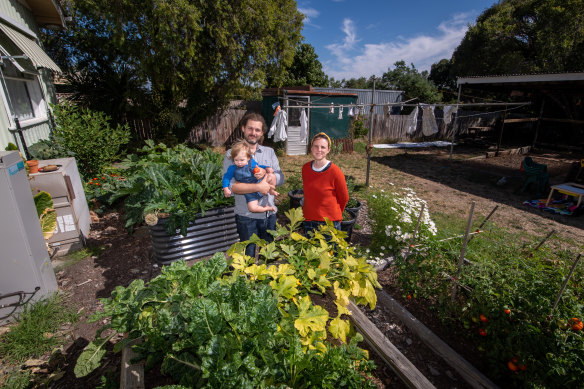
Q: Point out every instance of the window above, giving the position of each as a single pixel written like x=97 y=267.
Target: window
x=24 y=96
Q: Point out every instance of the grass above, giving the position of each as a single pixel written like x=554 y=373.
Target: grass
x=77 y=256
x=36 y=330
x=16 y=379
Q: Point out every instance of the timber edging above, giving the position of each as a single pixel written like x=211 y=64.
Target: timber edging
x=467 y=371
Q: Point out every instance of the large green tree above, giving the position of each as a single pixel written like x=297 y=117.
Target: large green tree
x=523 y=36
x=186 y=58
x=305 y=69
x=413 y=83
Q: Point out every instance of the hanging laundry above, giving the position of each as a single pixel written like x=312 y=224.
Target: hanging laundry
x=351 y=114
x=429 y=126
x=278 y=128
x=332 y=110
x=361 y=110
x=340 y=112
x=448 y=111
x=303 y=126
x=386 y=110
x=412 y=121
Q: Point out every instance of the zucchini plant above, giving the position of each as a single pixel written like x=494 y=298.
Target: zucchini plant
x=177 y=182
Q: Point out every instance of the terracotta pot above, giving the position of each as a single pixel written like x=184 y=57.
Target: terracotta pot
x=33 y=166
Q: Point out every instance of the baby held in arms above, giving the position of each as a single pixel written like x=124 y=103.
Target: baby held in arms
x=245 y=169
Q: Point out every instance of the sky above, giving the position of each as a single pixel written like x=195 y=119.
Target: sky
x=362 y=38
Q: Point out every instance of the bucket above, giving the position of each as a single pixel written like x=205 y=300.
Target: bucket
x=347 y=225
x=296 y=197
x=206 y=235
x=33 y=166
x=356 y=209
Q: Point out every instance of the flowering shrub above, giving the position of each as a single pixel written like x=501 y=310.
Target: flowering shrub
x=394 y=218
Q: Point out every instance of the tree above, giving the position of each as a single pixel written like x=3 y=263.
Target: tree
x=189 y=57
x=523 y=36
x=305 y=69
x=413 y=83
x=440 y=74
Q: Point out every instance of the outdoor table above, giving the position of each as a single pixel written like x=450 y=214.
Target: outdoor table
x=570 y=189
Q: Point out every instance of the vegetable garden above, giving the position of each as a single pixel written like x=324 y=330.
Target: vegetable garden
x=248 y=323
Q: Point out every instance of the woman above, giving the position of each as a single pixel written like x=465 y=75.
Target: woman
x=325 y=189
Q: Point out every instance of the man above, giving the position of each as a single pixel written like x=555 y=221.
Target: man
x=248 y=223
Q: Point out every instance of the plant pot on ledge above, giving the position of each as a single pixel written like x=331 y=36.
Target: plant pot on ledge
x=206 y=235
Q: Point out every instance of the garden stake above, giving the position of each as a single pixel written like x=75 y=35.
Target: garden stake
x=566 y=282
x=484 y=221
x=462 y=251
x=415 y=231
x=544 y=239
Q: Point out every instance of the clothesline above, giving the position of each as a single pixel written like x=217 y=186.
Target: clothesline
x=328 y=106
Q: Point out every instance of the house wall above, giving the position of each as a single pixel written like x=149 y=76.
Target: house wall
x=13 y=13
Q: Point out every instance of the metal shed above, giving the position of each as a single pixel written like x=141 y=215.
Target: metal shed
x=380 y=97
x=318 y=105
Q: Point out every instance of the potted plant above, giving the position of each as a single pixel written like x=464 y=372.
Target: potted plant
x=354 y=204
x=177 y=191
x=348 y=222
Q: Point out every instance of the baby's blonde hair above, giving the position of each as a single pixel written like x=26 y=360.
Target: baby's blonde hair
x=238 y=147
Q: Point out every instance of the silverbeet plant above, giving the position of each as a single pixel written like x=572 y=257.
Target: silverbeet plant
x=178 y=183
x=208 y=327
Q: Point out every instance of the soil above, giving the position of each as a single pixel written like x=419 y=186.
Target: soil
x=448 y=186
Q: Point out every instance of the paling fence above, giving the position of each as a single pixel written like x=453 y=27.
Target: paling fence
x=395 y=127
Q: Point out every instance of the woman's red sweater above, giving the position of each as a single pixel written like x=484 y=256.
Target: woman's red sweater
x=325 y=193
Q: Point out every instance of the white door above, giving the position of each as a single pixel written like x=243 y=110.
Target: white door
x=293 y=144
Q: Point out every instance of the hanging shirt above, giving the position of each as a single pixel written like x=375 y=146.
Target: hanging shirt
x=429 y=126
x=278 y=128
x=412 y=121
x=448 y=111
x=303 y=126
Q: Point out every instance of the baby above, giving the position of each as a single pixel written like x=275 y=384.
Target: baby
x=243 y=170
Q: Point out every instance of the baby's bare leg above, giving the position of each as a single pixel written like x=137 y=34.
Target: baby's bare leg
x=254 y=206
x=271 y=179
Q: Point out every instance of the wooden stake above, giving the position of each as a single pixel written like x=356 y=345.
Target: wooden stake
x=415 y=231
x=484 y=221
x=566 y=282
x=463 y=251
x=544 y=239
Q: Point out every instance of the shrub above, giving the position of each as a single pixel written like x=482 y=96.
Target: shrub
x=89 y=136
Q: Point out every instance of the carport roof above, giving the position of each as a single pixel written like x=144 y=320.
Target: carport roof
x=549 y=82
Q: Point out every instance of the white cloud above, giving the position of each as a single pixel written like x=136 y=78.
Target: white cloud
x=353 y=61
x=309 y=13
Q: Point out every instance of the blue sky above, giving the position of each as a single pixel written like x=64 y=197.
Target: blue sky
x=360 y=38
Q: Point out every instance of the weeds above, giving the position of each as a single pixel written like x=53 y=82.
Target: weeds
x=36 y=331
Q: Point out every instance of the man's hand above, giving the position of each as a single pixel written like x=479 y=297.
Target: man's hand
x=264 y=187
x=226 y=192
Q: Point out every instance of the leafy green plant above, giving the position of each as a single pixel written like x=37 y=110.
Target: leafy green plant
x=36 y=331
x=211 y=328
x=47 y=215
x=89 y=136
x=177 y=183
x=48 y=149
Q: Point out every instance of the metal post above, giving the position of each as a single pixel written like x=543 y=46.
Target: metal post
x=21 y=136
x=370 y=141
x=462 y=252
x=455 y=122
x=501 y=133
x=538 y=122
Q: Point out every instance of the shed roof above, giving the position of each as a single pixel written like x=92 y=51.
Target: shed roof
x=305 y=90
x=545 y=82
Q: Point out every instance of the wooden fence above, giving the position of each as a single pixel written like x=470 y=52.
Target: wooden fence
x=395 y=127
